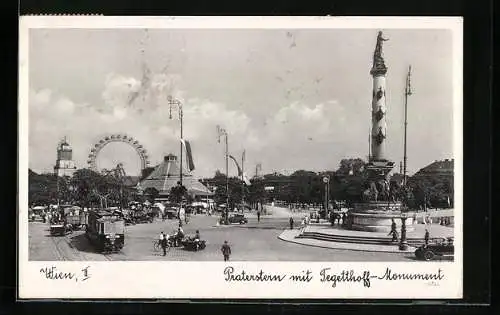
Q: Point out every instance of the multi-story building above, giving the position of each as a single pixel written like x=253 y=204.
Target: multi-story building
x=442 y=168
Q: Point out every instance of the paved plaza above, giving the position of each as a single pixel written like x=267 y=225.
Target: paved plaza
x=252 y=242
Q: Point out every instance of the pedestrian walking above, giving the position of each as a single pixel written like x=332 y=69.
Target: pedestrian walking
x=393 y=231
x=226 y=251
x=291 y=223
x=258 y=216
x=163 y=243
x=426 y=237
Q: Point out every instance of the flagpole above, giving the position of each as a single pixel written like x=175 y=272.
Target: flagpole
x=223 y=132
x=181 y=116
x=407 y=93
x=369 y=145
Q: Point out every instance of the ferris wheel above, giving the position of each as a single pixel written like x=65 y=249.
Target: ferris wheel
x=96 y=149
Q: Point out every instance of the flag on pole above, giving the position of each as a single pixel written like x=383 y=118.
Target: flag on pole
x=189 y=155
x=240 y=172
x=246 y=180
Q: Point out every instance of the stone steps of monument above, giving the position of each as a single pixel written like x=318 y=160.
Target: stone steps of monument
x=357 y=239
x=367 y=238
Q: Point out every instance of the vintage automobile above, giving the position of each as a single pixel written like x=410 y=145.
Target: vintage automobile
x=440 y=248
x=141 y=216
x=235 y=218
x=60 y=229
x=244 y=207
x=192 y=244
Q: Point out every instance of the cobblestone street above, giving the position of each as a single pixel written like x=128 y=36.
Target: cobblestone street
x=255 y=241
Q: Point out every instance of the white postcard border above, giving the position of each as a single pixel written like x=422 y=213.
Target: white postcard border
x=206 y=279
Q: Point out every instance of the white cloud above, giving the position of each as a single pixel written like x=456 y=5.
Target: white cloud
x=290 y=128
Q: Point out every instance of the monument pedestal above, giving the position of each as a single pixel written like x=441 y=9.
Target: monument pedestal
x=377 y=216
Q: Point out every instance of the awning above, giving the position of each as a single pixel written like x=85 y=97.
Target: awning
x=198 y=192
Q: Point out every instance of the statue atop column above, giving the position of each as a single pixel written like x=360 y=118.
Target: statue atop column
x=378 y=59
x=378 y=47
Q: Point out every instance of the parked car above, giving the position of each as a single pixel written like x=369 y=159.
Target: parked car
x=441 y=248
x=236 y=218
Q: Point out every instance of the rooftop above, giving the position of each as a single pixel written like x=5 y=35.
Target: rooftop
x=167 y=174
x=438 y=167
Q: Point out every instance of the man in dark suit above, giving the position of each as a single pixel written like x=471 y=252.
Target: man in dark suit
x=226 y=251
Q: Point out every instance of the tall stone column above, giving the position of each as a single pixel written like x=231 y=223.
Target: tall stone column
x=379 y=125
x=379 y=165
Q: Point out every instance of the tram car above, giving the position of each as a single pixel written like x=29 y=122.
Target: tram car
x=106 y=230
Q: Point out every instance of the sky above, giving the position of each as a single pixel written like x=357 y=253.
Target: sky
x=293 y=99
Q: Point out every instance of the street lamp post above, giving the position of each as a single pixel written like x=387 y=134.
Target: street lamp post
x=223 y=132
x=326 y=180
x=175 y=103
x=57 y=188
x=408 y=92
x=404 y=244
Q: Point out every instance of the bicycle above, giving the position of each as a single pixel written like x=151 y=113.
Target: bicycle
x=157 y=246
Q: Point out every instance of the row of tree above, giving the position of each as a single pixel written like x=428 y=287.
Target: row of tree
x=88 y=188
x=345 y=184
x=85 y=188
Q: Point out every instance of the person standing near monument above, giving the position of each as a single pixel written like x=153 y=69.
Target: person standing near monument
x=393 y=231
x=426 y=237
x=291 y=223
x=258 y=215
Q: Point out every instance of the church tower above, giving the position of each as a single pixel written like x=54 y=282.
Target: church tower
x=65 y=166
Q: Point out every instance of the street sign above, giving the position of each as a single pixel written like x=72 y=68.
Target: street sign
x=326 y=179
